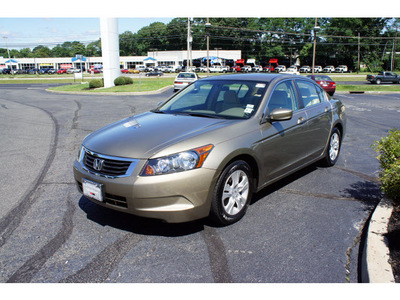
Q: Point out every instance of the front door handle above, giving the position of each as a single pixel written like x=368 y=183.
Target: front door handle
x=301 y=120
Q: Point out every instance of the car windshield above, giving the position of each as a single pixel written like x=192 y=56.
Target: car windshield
x=217 y=99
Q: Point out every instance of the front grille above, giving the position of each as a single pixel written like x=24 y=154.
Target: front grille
x=106 y=165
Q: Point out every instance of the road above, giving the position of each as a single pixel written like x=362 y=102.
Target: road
x=306 y=228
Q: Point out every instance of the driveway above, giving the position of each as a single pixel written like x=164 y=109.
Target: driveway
x=306 y=228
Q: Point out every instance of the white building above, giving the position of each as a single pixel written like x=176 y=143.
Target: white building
x=153 y=58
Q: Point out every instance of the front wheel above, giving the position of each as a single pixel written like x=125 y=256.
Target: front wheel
x=232 y=193
x=333 y=150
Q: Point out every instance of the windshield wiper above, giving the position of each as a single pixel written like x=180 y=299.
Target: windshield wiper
x=158 y=111
x=193 y=114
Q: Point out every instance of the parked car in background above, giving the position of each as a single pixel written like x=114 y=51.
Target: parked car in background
x=292 y=70
x=6 y=71
x=317 y=69
x=325 y=82
x=62 y=71
x=280 y=68
x=32 y=71
x=256 y=68
x=329 y=69
x=268 y=69
x=43 y=71
x=246 y=68
x=341 y=69
x=384 y=77
x=305 y=69
x=20 y=71
x=183 y=79
x=73 y=70
x=206 y=150
x=51 y=71
x=129 y=71
x=154 y=73
x=140 y=68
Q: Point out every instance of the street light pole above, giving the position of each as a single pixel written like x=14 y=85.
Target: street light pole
x=9 y=57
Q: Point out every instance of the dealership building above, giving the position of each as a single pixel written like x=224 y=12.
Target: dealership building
x=153 y=59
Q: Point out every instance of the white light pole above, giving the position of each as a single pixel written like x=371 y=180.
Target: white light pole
x=110 y=50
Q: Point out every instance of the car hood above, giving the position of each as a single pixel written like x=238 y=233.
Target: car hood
x=144 y=135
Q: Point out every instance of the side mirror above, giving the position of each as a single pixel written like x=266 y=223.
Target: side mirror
x=280 y=114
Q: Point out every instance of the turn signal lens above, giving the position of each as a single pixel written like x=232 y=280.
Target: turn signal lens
x=183 y=161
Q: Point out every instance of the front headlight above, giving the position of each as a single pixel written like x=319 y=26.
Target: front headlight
x=81 y=152
x=183 y=161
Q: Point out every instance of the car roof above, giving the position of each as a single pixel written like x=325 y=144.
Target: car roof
x=252 y=77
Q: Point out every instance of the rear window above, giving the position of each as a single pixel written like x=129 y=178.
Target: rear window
x=186 y=75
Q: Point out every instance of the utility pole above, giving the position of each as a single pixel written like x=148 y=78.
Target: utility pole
x=316 y=28
x=393 y=52
x=208 y=25
x=189 y=47
x=358 y=67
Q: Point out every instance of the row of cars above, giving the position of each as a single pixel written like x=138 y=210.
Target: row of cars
x=41 y=71
x=280 y=68
x=327 y=69
x=183 y=79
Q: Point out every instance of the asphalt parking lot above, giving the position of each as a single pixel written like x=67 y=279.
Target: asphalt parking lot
x=306 y=228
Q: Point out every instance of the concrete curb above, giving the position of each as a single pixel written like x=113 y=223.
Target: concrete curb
x=375 y=261
x=114 y=93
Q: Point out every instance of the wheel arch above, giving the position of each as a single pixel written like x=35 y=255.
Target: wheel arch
x=249 y=159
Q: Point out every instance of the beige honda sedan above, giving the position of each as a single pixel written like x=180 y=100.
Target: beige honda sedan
x=209 y=148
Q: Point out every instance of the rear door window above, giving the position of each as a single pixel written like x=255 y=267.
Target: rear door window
x=308 y=93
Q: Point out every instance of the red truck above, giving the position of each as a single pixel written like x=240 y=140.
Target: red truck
x=238 y=67
x=273 y=63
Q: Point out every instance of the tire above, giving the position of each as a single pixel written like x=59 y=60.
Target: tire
x=333 y=149
x=378 y=81
x=232 y=193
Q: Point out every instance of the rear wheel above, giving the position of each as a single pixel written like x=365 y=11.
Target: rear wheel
x=332 y=153
x=232 y=193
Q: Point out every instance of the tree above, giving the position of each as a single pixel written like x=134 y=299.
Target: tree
x=41 y=51
x=94 y=48
x=127 y=44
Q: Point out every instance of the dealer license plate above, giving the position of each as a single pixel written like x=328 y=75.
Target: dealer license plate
x=92 y=190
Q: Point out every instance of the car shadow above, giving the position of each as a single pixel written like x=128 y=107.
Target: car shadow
x=127 y=222
x=272 y=188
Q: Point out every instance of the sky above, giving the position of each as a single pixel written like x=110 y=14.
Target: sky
x=27 y=23
x=21 y=33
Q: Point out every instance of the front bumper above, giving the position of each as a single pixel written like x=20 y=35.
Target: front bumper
x=174 y=198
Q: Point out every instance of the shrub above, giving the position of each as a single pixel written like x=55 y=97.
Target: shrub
x=122 y=80
x=96 y=83
x=389 y=158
